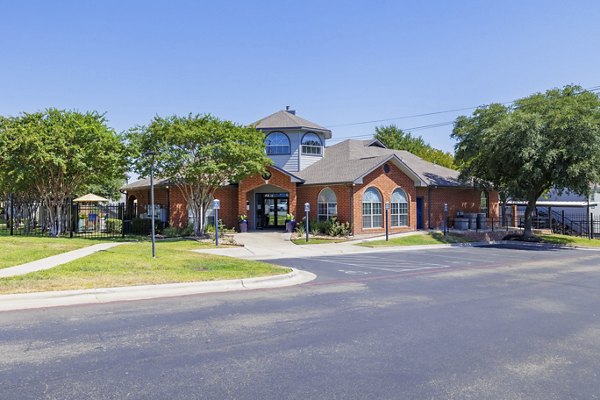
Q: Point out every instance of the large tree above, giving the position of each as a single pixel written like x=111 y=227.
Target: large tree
x=198 y=154
x=54 y=154
x=395 y=138
x=547 y=140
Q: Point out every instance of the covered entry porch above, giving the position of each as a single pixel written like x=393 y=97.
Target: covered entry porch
x=268 y=207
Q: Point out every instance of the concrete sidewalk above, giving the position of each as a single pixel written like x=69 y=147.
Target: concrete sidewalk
x=53 y=261
x=277 y=245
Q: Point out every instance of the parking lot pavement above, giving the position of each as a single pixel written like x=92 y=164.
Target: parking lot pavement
x=386 y=263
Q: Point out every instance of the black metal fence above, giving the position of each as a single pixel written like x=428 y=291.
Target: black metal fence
x=581 y=224
x=83 y=220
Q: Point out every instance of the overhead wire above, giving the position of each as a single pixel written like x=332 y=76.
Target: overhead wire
x=429 y=126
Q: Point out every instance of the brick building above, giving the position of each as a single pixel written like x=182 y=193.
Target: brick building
x=352 y=180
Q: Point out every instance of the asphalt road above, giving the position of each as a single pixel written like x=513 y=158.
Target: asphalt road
x=460 y=323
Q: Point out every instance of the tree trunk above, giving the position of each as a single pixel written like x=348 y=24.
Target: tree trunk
x=528 y=233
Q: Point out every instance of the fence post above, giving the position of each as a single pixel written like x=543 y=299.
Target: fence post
x=12 y=213
x=122 y=212
x=71 y=222
x=492 y=224
x=562 y=219
x=591 y=226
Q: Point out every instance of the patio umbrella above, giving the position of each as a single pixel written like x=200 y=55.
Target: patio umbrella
x=90 y=198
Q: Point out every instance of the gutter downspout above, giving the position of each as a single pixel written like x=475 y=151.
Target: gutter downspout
x=429 y=206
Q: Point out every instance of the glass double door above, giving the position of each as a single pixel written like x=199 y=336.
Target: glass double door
x=272 y=209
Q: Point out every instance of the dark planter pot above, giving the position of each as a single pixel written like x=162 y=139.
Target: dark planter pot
x=289 y=226
x=243 y=226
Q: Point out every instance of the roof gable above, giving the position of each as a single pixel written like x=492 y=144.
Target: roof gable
x=351 y=160
x=286 y=120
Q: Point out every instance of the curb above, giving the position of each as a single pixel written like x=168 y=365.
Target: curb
x=24 y=301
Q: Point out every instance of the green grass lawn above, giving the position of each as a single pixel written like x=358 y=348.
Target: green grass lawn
x=318 y=240
x=570 y=240
x=416 y=240
x=16 y=250
x=132 y=264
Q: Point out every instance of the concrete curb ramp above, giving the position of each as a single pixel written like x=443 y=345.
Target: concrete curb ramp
x=25 y=301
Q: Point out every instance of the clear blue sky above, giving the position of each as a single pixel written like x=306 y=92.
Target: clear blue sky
x=335 y=62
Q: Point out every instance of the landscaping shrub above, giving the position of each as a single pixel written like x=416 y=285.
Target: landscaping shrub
x=171 y=232
x=114 y=225
x=337 y=228
x=143 y=226
x=188 y=230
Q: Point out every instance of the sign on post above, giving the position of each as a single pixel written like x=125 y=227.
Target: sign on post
x=307 y=211
x=216 y=207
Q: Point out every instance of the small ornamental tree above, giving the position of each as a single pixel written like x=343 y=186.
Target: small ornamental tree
x=198 y=154
x=54 y=154
x=544 y=141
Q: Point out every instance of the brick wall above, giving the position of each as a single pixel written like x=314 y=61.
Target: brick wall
x=310 y=194
x=386 y=183
x=458 y=199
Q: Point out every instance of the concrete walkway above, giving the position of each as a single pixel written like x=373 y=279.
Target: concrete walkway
x=277 y=245
x=53 y=261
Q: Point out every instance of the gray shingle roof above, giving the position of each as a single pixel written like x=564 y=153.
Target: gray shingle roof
x=145 y=184
x=350 y=160
x=286 y=120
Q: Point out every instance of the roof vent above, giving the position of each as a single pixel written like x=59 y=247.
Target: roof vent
x=287 y=108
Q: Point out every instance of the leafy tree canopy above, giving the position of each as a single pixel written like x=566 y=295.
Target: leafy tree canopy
x=395 y=138
x=198 y=153
x=54 y=154
x=547 y=140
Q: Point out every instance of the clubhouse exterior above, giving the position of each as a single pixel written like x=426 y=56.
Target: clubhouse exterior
x=351 y=180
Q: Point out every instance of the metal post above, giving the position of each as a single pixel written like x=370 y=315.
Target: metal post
x=307 y=210
x=152 y=207
x=217 y=227
x=216 y=207
x=387 y=235
x=591 y=225
x=71 y=222
x=562 y=219
x=12 y=213
x=152 y=226
x=122 y=210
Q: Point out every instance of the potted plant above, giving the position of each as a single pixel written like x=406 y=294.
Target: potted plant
x=290 y=223
x=243 y=222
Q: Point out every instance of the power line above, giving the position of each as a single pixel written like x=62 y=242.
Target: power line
x=592 y=89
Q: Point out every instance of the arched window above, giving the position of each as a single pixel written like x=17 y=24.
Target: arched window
x=326 y=204
x=277 y=143
x=311 y=144
x=372 y=211
x=399 y=208
x=484 y=204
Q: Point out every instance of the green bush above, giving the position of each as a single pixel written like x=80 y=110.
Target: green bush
x=143 y=226
x=114 y=225
x=337 y=228
x=171 y=232
x=188 y=230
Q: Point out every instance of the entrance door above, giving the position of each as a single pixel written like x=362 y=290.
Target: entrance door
x=419 y=213
x=272 y=208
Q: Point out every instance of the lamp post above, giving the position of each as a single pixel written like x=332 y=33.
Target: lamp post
x=216 y=207
x=307 y=210
x=150 y=154
x=387 y=231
